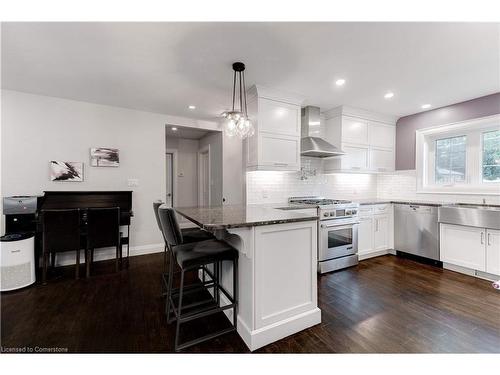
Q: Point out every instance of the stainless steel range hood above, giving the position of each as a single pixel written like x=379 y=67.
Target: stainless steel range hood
x=311 y=145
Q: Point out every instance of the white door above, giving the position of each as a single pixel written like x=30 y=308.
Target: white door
x=281 y=152
x=365 y=235
x=381 y=135
x=381 y=160
x=463 y=246
x=493 y=251
x=204 y=177
x=381 y=232
x=354 y=130
x=170 y=179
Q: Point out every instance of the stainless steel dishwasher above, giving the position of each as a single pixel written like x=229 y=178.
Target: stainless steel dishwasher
x=416 y=230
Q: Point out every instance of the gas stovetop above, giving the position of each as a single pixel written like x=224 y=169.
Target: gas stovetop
x=317 y=201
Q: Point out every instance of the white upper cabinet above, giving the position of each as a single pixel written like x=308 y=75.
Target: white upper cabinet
x=279 y=118
x=381 y=135
x=276 y=117
x=354 y=130
x=368 y=140
x=381 y=160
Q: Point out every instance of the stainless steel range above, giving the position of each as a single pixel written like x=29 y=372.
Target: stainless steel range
x=337 y=231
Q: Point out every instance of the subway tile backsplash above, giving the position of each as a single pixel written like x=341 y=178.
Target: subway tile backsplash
x=276 y=187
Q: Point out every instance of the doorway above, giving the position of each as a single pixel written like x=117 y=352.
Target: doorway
x=171 y=159
x=204 y=176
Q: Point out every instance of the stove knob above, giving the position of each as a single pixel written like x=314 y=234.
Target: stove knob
x=326 y=214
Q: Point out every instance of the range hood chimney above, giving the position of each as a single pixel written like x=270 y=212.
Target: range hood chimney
x=311 y=145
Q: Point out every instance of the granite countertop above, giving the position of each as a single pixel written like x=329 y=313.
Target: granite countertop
x=236 y=216
x=400 y=201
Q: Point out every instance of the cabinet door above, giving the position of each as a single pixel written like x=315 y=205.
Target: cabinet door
x=381 y=160
x=493 y=251
x=381 y=135
x=381 y=232
x=463 y=246
x=354 y=130
x=278 y=117
x=355 y=158
x=280 y=152
x=365 y=235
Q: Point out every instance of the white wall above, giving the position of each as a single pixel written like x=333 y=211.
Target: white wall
x=37 y=129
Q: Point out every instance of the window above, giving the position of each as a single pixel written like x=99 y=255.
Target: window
x=491 y=156
x=450 y=160
x=459 y=158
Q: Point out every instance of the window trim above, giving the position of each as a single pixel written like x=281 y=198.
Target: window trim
x=481 y=149
x=424 y=152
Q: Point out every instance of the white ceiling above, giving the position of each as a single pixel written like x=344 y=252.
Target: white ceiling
x=185 y=132
x=164 y=67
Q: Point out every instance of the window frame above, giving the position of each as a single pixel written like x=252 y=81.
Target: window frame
x=425 y=157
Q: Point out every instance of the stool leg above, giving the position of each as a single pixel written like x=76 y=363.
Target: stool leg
x=235 y=292
x=77 y=270
x=169 y=284
x=179 y=311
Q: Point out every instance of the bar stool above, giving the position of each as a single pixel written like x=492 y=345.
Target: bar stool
x=192 y=257
x=188 y=235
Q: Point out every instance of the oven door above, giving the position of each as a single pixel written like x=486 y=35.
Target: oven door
x=337 y=240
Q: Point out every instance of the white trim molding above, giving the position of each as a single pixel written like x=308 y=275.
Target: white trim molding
x=473 y=184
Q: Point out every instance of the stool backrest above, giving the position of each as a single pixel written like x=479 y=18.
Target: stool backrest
x=157 y=205
x=103 y=227
x=170 y=225
x=61 y=229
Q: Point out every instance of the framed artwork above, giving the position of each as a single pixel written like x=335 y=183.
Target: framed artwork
x=71 y=171
x=104 y=157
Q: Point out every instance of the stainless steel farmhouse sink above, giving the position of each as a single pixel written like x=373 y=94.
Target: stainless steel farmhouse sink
x=482 y=216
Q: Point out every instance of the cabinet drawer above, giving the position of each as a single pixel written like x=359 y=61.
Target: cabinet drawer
x=381 y=208
x=365 y=211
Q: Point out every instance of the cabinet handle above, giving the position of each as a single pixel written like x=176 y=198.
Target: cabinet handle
x=376 y=225
x=489 y=243
x=281 y=164
x=356 y=168
x=482 y=238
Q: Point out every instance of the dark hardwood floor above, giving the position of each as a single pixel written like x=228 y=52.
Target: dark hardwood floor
x=384 y=305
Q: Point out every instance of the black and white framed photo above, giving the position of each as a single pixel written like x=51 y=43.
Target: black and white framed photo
x=104 y=157
x=71 y=171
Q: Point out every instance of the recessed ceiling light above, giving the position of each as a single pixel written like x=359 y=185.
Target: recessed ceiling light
x=388 y=95
x=340 y=82
x=174 y=129
x=192 y=107
x=425 y=106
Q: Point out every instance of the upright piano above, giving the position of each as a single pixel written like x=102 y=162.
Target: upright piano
x=90 y=199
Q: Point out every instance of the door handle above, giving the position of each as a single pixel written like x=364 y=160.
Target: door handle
x=169 y=194
x=489 y=235
x=482 y=238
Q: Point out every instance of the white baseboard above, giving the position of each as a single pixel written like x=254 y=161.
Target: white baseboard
x=470 y=272
x=69 y=257
x=372 y=254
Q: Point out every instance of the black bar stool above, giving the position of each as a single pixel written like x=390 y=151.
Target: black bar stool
x=193 y=257
x=188 y=235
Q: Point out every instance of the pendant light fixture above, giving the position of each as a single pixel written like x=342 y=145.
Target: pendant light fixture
x=237 y=121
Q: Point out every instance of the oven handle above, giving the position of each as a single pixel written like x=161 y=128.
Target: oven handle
x=340 y=226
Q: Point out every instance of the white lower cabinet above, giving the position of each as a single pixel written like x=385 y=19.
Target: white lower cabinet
x=365 y=235
x=381 y=232
x=493 y=251
x=374 y=230
x=463 y=246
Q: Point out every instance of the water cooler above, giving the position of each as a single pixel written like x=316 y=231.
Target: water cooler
x=17 y=246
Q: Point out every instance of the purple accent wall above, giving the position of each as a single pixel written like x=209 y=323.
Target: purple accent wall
x=406 y=126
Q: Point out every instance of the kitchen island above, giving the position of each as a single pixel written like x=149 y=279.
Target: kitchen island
x=277 y=267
